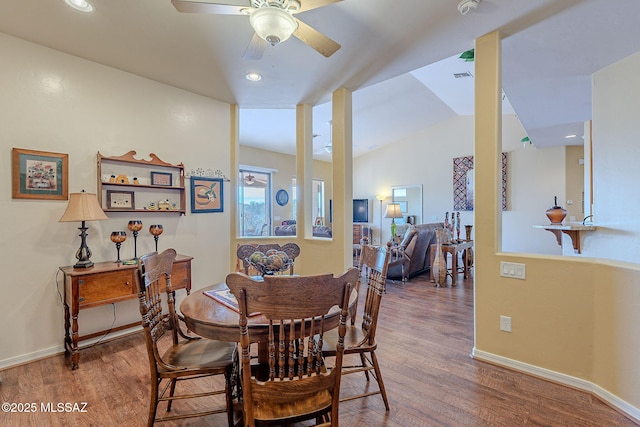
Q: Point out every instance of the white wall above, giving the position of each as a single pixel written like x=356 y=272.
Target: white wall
x=616 y=152
x=56 y=102
x=534 y=176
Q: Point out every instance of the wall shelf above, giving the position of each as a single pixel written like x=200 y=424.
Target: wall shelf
x=141 y=185
x=571 y=230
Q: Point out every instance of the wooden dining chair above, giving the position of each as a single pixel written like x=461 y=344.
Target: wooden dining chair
x=294 y=384
x=374 y=261
x=182 y=360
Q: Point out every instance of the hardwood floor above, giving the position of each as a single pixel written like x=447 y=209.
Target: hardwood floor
x=442 y=387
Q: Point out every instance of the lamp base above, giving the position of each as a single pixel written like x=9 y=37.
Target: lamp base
x=84 y=264
x=84 y=253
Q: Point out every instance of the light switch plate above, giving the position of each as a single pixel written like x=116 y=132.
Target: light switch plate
x=513 y=270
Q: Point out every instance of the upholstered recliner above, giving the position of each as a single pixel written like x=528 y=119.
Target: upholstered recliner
x=412 y=256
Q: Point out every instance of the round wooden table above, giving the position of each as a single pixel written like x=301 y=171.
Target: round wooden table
x=209 y=318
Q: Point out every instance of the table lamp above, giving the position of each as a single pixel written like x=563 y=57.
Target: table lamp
x=83 y=207
x=393 y=211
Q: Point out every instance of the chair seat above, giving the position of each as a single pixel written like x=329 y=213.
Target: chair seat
x=303 y=408
x=200 y=354
x=352 y=338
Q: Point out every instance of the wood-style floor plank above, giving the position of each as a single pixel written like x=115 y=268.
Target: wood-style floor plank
x=439 y=385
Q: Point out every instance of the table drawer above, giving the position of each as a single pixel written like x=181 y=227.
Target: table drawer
x=105 y=287
x=181 y=276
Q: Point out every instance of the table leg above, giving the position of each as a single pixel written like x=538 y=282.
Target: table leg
x=432 y=256
x=465 y=260
x=75 y=353
x=454 y=267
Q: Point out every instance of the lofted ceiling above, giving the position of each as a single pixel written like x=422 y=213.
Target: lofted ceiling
x=397 y=56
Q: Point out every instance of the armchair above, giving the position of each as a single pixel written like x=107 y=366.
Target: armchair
x=412 y=257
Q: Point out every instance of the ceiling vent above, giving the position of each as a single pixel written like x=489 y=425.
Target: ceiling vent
x=462 y=75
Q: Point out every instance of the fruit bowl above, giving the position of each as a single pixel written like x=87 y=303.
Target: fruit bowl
x=269 y=263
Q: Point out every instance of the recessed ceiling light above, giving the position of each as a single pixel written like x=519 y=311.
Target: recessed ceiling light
x=81 y=5
x=571 y=136
x=254 y=77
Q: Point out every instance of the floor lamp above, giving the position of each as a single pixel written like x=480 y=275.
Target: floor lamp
x=380 y=199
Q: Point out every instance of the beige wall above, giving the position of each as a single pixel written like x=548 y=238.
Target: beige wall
x=320 y=255
x=56 y=102
x=573 y=318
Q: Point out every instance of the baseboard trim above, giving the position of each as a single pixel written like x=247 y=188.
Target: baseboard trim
x=607 y=397
x=23 y=359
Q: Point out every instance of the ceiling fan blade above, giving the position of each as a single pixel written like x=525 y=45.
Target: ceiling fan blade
x=212 y=8
x=314 y=4
x=315 y=39
x=255 y=49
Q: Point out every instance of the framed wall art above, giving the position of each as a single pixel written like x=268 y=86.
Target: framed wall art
x=39 y=175
x=206 y=194
x=463 y=181
x=117 y=199
x=162 y=178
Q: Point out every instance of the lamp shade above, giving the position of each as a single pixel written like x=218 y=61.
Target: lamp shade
x=393 y=211
x=273 y=24
x=83 y=207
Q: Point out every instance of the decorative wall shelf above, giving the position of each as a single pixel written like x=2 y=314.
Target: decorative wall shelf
x=127 y=184
x=571 y=230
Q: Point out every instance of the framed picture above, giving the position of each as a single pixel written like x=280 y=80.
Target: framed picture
x=463 y=183
x=39 y=175
x=162 y=178
x=206 y=194
x=117 y=199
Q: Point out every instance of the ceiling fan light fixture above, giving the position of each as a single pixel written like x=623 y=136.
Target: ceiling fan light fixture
x=272 y=24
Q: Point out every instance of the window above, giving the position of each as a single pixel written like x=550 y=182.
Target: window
x=254 y=203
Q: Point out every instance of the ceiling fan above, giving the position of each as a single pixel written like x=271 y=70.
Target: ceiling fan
x=252 y=180
x=272 y=20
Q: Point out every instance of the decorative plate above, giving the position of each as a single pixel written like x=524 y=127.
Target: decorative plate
x=282 y=197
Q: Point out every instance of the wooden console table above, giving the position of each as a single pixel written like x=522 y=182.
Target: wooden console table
x=454 y=249
x=106 y=283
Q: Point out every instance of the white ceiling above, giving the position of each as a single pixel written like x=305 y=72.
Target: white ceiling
x=397 y=56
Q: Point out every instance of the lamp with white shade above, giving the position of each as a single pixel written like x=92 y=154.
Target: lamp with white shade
x=393 y=211
x=83 y=207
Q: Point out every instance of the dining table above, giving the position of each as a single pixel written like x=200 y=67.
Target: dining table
x=209 y=318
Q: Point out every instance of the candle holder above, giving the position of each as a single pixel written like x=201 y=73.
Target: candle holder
x=135 y=226
x=118 y=237
x=156 y=230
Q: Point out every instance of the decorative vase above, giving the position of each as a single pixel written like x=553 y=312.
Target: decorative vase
x=467 y=229
x=439 y=267
x=555 y=213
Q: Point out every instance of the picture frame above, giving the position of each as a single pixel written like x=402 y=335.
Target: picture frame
x=117 y=199
x=207 y=194
x=162 y=178
x=40 y=175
